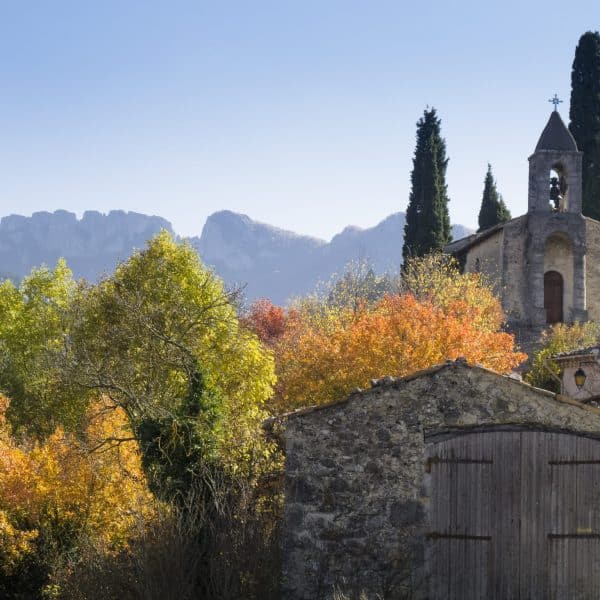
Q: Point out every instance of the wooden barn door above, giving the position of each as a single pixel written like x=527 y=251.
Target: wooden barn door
x=553 y=296
x=514 y=515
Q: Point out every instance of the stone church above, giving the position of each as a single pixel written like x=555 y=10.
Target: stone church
x=457 y=482
x=545 y=264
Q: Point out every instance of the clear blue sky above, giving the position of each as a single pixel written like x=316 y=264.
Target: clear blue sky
x=299 y=113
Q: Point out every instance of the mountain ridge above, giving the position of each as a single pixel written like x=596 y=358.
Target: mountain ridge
x=266 y=260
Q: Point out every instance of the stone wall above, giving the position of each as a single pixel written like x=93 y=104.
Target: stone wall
x=514 y=286
x=486 y=257
x=568 y=164
x=541 y=227
x=591 y=387
x=356 y=507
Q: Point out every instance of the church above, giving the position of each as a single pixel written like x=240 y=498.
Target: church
x=545 y=265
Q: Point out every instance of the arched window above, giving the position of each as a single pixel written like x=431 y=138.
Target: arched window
x=558 y=192
x=553 y=296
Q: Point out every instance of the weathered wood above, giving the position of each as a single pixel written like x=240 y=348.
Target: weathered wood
x=515 y=515
x=553 y=296
x=460 y=537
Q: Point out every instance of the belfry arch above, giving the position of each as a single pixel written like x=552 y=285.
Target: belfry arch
x=558 y=193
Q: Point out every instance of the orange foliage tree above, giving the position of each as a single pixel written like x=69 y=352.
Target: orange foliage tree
x=267 y=320
x=70 y=486
x=323 y=351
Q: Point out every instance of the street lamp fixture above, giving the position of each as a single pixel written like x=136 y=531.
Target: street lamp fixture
x=580 y=378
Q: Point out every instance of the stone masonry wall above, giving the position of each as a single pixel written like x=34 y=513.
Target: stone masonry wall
x=356 y=508
x=514 y=286
x=541 y=226
x=486 y=257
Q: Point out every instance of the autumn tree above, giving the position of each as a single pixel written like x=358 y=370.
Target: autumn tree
x=68 y=489
x=436 y=278
x=266 y=320
x=439 y=315
x=161 y=339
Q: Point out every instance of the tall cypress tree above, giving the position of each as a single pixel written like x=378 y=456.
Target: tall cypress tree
x=427 y=225
x=585 y=117
x=493 y=210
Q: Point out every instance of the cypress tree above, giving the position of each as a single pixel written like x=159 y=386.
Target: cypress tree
x=427 y=225
x=585 y=117
x=493 y=210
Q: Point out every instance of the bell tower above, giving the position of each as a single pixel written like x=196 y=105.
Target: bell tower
x=555 y=266
x=555 y=170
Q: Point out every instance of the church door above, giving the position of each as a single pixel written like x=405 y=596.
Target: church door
x=553 y=296
x=514 y=515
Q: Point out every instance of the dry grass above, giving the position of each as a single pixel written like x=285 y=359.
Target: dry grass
x=222 y=544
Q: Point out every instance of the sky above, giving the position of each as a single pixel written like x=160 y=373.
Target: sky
x=298 y=113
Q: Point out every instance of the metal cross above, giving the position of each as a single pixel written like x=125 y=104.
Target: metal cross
x=555 y=101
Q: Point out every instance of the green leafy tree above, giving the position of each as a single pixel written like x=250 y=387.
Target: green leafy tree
x=493 y=210
x=585 y=117
x=179 y=449
x=427 y=220
x=33 y=329
x=161 y=339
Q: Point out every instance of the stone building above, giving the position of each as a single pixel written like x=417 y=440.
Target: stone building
x=580 y=374
x=545 y=264
x=452 y=483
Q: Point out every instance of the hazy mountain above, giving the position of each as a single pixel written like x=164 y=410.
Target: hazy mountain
x=92 y=245
x=268 y=261
x=279 y=264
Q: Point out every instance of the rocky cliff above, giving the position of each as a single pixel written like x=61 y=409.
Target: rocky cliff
x=267 y=261
x=279 y=264
x=92 y=245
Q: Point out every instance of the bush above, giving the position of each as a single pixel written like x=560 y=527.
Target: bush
x=223 y=544
x=545 y=372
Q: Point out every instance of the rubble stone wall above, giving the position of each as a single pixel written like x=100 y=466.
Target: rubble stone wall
x=356 y=509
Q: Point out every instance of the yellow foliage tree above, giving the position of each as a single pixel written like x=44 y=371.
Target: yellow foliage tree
x=90 y=484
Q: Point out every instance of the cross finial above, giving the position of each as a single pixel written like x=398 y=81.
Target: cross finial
x=556 y=101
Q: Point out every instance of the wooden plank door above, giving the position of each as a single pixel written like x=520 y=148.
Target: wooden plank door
x=475 y=495
x=535 y=514
x=514 y=515
x=553 y=296
x=573 y=533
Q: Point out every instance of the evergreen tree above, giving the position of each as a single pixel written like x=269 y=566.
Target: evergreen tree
x=493 y=210
x=585 y=117
x=427 y=226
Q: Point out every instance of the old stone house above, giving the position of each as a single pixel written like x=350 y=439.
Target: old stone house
x=452 y=483
x=580 y=374
x=545 y=264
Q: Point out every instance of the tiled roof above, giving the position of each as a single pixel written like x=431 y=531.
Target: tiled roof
x=465 y=243
x=595 y=350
